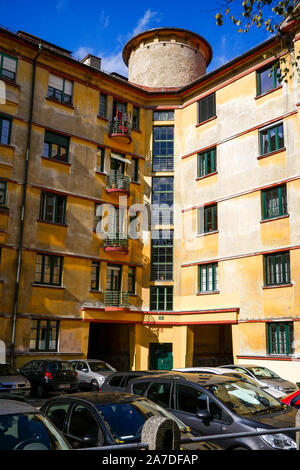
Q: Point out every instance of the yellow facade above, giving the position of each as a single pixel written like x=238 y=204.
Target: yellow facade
x=228 y=323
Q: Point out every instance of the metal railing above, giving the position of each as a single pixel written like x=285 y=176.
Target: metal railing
x=121 y=182
x=116 y=298
x=117 y=240
x=120 y=127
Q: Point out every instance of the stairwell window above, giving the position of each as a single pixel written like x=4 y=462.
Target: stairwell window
x=268 y=78
x=8 y=67
x=161 y=298
x=5 y=130
x=48 y=269
x=274 y=202
x=277 y=268
x=56 y=146
x=163 y=148
x=60 y=89
x=207 y=108
x=271 y=139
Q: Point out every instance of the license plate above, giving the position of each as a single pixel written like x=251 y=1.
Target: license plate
x=64 y=386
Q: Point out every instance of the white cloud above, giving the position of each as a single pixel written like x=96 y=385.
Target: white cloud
x=144 y=21
x=104 y=19
x=114 y=63
x=82 y=51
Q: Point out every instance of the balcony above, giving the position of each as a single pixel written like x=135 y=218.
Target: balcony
x=116 y=242
x=116 y=299
x=121 y=130
x=118 y=184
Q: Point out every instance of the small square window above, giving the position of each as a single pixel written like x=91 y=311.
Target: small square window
x=268 y=78
x=207 y=108
x=60 y=89
x=56 y=146
x=207 y=162
x=271 y=139
x=277 y=268
x=5 y=130
x=208 y=278
x=274 y=202
x=280 y=336
x=207 y=219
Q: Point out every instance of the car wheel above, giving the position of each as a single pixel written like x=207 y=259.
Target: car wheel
x=94 y=385
x=40 y=390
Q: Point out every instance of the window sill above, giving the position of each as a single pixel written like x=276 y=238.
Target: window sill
x=102 y=117
x=51 y=223
x=290 y=284
x=98 y=172
x=56 y=161
x=7 y=146
x=11 y=82
x=208 y=293
x=286 y=216
x=96 y=291
x=51 y=286
x=207 y=233
x=268 y=92
x=66 y=105
x=283 y=149
x=207 y=120
x=199 y=178
x=4 y=210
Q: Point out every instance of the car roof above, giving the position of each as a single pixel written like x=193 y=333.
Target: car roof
x=96 y=398
x=212 y=370
x=8 y=406
x=197 y=378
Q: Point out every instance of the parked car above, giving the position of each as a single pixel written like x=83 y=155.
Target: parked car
x=233 y=373
x=217 y=404
x=11 y=381
x=92 y=372
x=118 y=381
x=23 y=427
x=91 y=419
x=293 y=399
x=266 y=377
x=50 y=375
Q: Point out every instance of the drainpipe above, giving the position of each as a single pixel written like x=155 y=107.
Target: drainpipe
x=20 y=244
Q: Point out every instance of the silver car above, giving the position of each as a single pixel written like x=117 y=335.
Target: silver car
x=92 y=372
x=265 y=376
x=11 y=381
x=234 y=373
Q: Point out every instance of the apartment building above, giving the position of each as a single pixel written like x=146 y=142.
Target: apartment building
x=205 y=168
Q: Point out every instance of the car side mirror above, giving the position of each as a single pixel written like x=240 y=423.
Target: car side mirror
x=204 y=415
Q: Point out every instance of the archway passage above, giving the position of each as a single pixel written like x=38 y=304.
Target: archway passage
x=112 y=343
x=212 y=345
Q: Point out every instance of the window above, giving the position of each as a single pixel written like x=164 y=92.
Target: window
x=277 y=269
x=207 y=108
x=208 y=277
x=60 y=89
x=162 y=201
x=3 y=188
x=95 y=279
x=44 y=335
x=56 y=146
x=268 y=78
x=207 y=219
x=160 y=393
x=161 y=298
x=280 y=337
x=103 y=105
x=135 y=176
x=101 y=159
x=48 y=269
x=83 y=423
x=207 y=162
x=52 y=208
x=162 y=255
x=274 y=202
x=8 y=66
x=163 y=115
x=271 y=139
x=189 y=399
x=136 y=118
x=140 y=388
x=131 y=279
x=58 y=413
x=5 y=130
x=163 y=148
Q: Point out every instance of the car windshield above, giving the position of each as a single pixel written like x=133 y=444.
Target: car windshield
x=126 y=420
x=7 y=369
x=55 y=366
x=100 y=366
x=244 y=398
x=263 y=373
x=29 y=431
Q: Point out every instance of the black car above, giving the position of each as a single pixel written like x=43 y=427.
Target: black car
x=11 y=381
x=118 y=381
x=92 y=419
x=50 y=375
x=218 y=404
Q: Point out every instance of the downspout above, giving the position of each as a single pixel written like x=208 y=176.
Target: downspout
x=23 y=206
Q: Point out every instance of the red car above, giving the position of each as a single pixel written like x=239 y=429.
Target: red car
x=293 y=399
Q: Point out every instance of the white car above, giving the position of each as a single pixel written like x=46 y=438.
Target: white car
x=233 y=373
x=92 y=372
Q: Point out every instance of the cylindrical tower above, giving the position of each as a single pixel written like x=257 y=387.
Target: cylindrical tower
x=166 y=57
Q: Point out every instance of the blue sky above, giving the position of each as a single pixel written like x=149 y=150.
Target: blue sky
x=102 y=28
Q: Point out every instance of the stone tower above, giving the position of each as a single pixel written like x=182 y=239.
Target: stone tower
x=166 y=57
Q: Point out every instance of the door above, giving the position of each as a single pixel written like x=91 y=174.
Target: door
x=161 y=356
x=83 y=373
x=84 y=429
x=117 y=167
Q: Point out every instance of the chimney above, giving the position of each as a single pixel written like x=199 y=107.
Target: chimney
x=92 y=61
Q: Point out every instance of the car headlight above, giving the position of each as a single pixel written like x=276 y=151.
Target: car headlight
x=278 y=441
